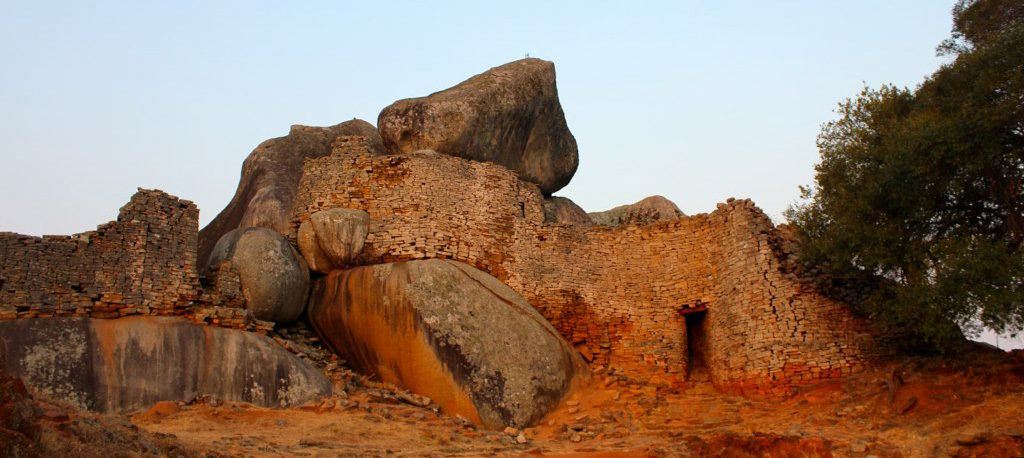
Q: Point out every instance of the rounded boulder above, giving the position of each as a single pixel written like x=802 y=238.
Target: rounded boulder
x=333 y=238
x=273 y=278
x=509 y=115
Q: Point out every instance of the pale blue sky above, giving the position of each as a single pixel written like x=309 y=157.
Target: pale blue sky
x=696 y=101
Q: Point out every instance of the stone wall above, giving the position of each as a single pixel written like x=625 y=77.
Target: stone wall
x=141 y=264
x=619 y=294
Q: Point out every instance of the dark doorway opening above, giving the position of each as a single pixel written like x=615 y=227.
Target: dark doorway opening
x=696 y=364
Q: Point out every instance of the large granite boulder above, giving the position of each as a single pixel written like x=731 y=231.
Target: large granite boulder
x=449 y=332
x=333 y=238
x=562 y=210
x=509 y=115
x=273 y=277
x=131 y=363
x=270 y=176
x=646 y=211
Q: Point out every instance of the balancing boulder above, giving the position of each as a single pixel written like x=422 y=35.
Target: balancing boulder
x=509 y=115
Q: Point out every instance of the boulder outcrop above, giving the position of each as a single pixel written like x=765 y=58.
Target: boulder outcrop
x=333 y=238
x=449 y=332
x=509 y=115
x=131 y=363
x=270 y=175
x=646 y=211
x=272 y=276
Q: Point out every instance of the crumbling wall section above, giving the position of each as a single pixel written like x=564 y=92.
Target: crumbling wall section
x=143 y=263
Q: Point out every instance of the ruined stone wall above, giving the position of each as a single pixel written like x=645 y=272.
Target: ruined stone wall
x=616 y=293
x=771 y=330
x=141 y=264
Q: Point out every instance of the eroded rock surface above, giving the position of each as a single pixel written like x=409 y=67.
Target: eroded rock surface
x=509 y=115
x=561 y=210
x=131 y=363
x=273 y=277
x=333 y=238
x=19 y=428
x=646 y=211
x=270 y=175
x=449 y=332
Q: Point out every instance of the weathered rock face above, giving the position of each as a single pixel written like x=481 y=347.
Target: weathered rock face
x=333 y=238
x=646 y=211
x=270 y=175
x=18 y=418
x=450 y=332
x=130 y=363
x=561 y=210
x=274 y=279
x=509 y=115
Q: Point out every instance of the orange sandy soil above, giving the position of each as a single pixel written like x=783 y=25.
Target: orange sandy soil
x=973 y=407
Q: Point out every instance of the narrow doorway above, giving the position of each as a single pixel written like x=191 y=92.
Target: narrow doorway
x=696 y=364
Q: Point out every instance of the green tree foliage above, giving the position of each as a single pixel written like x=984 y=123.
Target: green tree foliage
x=924 y=189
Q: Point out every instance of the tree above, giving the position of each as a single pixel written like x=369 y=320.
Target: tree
x=924 y=189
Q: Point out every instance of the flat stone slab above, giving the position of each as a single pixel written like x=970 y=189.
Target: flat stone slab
x=131 y=363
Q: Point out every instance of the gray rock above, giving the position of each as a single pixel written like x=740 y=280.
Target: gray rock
x=131 y=363
x=509 y=115
x=561 y=210
x=340 y=233
x=646 y=211
x=449 y=332
x=270 y=177
x=274 y=278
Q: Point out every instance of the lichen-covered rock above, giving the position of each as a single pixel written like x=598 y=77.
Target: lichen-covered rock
x=337 y=238
x=130 y=363
x=561 y=210
x=270 y=176
x=449 y=332
x=646 y=211
x=273 y=277
x=509 y=115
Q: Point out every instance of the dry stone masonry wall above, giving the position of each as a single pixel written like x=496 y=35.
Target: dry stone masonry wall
x=619 y=294
x=141 y=264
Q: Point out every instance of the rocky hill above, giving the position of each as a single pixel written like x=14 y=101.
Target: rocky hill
x=415 y=289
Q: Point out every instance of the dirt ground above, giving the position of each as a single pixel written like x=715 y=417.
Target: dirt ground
x=969 y=407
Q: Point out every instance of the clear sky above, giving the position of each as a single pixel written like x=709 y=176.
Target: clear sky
x=696 y=101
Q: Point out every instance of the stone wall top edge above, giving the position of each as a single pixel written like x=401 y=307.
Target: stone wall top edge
x=183 y=203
